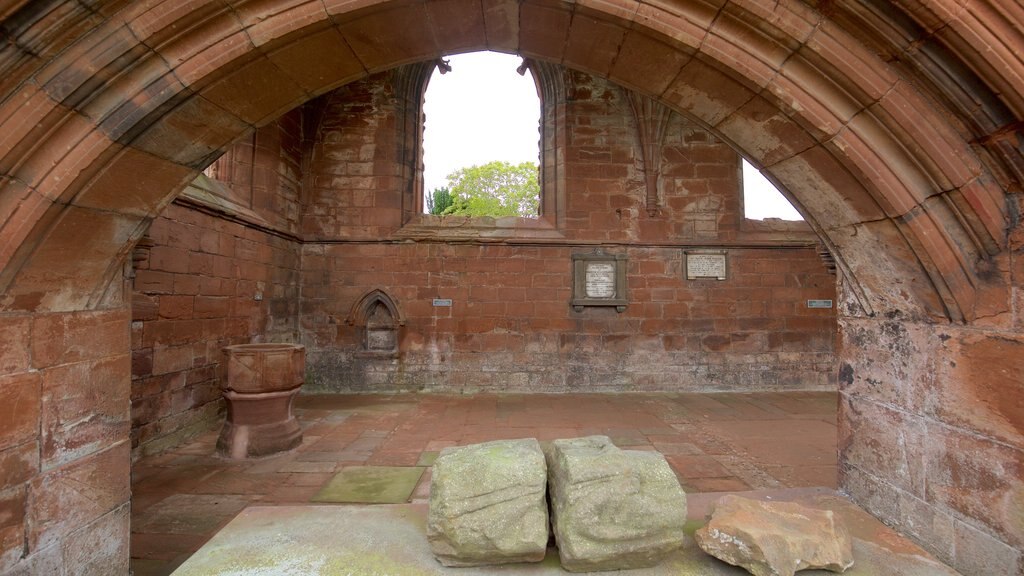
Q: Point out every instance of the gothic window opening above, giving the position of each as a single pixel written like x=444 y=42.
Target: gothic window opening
x=482 y=113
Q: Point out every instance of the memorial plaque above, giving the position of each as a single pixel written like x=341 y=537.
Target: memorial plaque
x=819 y=303
x=600 y=279
x=699 y=266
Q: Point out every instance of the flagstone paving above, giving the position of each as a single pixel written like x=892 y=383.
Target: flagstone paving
x=371 y=485
x=714 y=442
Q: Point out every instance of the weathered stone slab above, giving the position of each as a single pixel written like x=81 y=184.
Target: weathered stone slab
x=487 y=504
x=775 y=538
x=612 y=509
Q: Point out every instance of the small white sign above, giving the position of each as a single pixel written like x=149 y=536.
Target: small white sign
x=819 y=303
x=442 y=301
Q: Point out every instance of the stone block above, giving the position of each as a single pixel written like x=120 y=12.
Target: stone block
x=872 y=494
x=977 y=384
x=980 y=479
x=929 y=525
x=487 y=504
x=19 y=464
x=85 y=408
x=460 y=25
x=14 y=344
x=612 y=509
x=887 y=442
x=19 y=408
x=775 y=538
x=65 y=338
x=50 y=281
x=414 y=43
x=334 y=59
x=980 y=553
x=72 y=496
x=12 y=526
x=100 y=547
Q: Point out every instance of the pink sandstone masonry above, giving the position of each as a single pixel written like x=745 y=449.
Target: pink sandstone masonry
x=244 y=254
x=64 y=450
x=896 y=127
x=510 y=326
x=204 y=281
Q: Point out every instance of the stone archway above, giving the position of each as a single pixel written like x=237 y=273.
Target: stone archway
x=896 y=130
x=853 y=140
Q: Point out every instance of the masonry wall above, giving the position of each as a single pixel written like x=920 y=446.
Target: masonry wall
x=353 y=183
x=932 y=424
x=510 y=326
x=299 y=220
x=218 y=267
x=927 y=441
x=64 y=450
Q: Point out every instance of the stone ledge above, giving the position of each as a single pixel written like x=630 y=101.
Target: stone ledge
x=392 y=540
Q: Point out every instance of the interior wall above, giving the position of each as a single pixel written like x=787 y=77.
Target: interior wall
x=511 y=328
x=220 y=266
x=355 y=164
x=927 y=442
x=895 y=124
x=510 y=325
x=932 y=425
x=64 y=450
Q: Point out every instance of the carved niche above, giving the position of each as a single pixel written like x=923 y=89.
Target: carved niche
x=377 y=317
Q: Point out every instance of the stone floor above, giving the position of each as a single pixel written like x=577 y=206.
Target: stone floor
x=715 y=443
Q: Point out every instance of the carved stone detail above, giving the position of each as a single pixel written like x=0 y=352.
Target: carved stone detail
x=378 y=318
x=651 y=123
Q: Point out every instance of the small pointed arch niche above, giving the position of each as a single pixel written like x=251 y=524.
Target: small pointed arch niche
x=378 y=318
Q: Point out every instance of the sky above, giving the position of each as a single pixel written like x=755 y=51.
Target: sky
x=483 y=110
x=761 y=199
x=480 y=111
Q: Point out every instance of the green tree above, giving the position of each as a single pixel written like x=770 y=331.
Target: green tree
x=495 y=189
x=439 y=200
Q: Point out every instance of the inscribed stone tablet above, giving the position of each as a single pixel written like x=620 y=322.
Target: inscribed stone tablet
x=705 y=266
x=600 y=279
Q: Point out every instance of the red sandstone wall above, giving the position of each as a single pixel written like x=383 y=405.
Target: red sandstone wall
x=207 y=283
x=932 y=425
x=511 y=326
x=226 y=267
x=931 y=434
x=353 y=184
x=262 y=172
x=64 y=451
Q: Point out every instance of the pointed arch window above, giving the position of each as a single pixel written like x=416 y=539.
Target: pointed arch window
x=550 y=82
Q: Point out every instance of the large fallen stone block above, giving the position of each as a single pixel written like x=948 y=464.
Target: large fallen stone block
x=487 y=504
x=612 y=509
x=775 y=538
